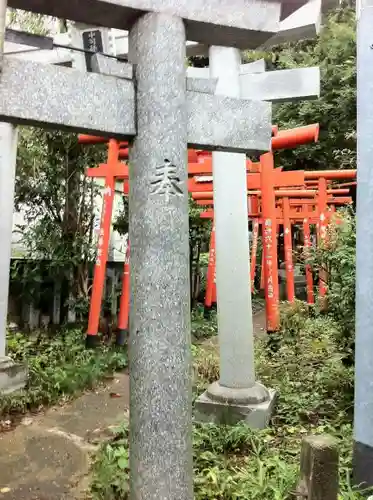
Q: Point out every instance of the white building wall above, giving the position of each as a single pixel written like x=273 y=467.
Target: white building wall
x=117 y=242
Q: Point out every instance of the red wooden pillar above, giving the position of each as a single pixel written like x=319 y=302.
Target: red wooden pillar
x=210 y=272
x=288 y=244
x=270 y=243
x=254 y=249
x=124 y=306
x=214 y=294
x=102 y=248
x=262 y=273
x=254 y=202
x=307 y=246
x=322 y=205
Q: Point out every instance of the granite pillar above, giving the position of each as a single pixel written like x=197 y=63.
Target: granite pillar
x=363 y=413
x=232 y=242
x=159 y=341
x=236 y=396
x=12 y=376
x=8 y=155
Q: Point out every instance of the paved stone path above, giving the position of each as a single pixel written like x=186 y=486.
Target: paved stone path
x=259 y=323
x=47 y=457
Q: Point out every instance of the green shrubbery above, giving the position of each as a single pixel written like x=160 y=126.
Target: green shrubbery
x=337 y=257
x=110 y=470
x=308 y=362
x=231 y=463
x=202 y=329
x=59 y=366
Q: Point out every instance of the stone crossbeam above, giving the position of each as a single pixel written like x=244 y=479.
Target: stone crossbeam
x=202 y=85
x=242 y=23
x=223 y=123
x=275 y=86
x=28 y=39
x=282 y=85
x=111 y=67
x=257 y=66
x=63 y=98
x=302 y=24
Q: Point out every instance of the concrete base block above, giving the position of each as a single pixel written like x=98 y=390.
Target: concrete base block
x=362 y=465
x=13 y=377
x=318 y=468
x=256 y=416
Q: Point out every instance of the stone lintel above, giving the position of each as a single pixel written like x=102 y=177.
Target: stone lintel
x=296 y=34
x=241 y=23
x=227 y=124
x=202 y=85
x=56 y=56
x=282 y=85
x=303 y=24
x=274 y=86
x=62 y=98
x=198 y=72
x=258 y=66
x=111 y=67
x=28 y=39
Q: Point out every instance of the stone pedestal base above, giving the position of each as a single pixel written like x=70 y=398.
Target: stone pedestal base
x=221 y=405
x=13 y=377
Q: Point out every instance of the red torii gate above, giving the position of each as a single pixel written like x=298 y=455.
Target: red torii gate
x=305 y=216
x=283 y=139
x=283 y=180
x=110 y=172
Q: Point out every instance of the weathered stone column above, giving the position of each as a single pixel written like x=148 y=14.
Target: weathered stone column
x=12 y=376
x=8 y=156
x=159 y=342
x=236 y=396
x=363 y=414
x=232 y=242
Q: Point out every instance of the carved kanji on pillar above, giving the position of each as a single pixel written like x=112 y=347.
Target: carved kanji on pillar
x=166 y=181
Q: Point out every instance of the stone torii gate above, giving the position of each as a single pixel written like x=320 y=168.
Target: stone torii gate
x=151 y=103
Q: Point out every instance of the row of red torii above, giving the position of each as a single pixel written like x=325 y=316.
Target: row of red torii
x=275 y=197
